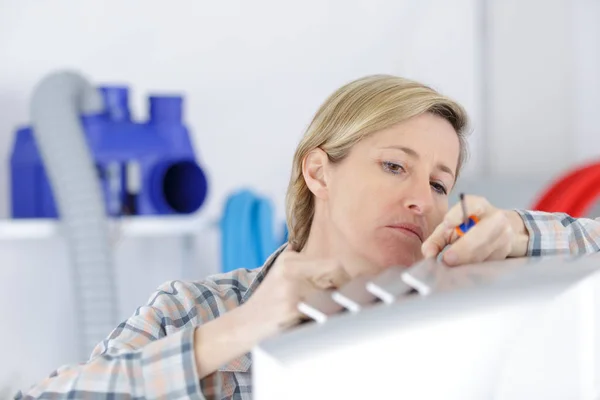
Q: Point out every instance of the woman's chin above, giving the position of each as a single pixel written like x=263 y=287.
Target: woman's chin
x=402 y=256
x=399 y=260
x=381 y=254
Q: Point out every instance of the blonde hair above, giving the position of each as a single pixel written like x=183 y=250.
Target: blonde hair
x=351 y=113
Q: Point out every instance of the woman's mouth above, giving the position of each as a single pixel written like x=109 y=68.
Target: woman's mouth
x=409 y=230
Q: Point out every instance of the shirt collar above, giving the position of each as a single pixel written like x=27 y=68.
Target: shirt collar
x=262 y=273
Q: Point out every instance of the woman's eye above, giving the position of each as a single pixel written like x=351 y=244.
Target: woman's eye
x=393 y=167
x=438 y=187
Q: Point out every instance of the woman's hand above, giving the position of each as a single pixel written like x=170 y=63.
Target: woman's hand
x=498 y=234
x=291 y=279
x=271 y=309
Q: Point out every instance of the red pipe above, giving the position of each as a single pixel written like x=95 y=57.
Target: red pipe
x=574 y=193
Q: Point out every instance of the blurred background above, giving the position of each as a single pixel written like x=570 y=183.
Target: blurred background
x=246 y=78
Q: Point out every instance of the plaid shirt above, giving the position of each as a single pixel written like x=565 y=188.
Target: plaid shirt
x=559 y=233
x=151 y=355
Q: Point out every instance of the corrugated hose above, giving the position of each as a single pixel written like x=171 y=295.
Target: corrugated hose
x=57 y=105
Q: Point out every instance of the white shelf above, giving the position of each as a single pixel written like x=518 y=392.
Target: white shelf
x=128 y=226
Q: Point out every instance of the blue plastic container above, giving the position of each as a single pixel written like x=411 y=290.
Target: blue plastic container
x=145 y=168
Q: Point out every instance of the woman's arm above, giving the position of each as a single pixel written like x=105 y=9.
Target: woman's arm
x=162 y=351
x=555 y=233
x=226 y=338
x=135 y=373
x=171 y=347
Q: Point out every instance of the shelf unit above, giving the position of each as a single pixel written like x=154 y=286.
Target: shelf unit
x=14 y=229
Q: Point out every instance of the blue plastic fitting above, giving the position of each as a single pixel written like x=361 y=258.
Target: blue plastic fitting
x=145 y=168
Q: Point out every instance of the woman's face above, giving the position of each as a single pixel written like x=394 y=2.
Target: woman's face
x=389 y=193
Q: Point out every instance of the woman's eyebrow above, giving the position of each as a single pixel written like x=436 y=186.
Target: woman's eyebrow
x=414 y=154
x=405 y=149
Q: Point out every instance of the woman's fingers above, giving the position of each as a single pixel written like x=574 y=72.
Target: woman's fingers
x=437 y=241
x=475 y=205
x=444 y=234
x=489 y=238
x=323 y=274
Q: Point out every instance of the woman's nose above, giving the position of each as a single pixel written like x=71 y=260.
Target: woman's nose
x=420 y=198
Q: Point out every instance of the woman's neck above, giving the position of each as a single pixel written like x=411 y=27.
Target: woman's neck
x=318 y=244
x=324 y=242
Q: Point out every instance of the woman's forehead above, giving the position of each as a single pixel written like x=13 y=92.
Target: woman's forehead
x=425 y=131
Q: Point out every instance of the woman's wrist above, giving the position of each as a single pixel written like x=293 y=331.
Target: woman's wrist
x=520 y=241
x=255 y=322
x=226 y=338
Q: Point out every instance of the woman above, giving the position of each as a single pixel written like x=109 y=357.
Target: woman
x=369 y=189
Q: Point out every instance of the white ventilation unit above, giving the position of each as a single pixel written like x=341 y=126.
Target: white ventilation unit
x=517 y=329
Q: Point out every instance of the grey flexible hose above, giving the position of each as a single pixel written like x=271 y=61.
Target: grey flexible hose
x=58 y=102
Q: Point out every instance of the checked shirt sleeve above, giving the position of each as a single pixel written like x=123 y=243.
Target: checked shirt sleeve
x=149 y=356
x=559 y=233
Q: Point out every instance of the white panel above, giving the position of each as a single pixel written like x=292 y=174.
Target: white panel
x=586 y=88
x=531 y=117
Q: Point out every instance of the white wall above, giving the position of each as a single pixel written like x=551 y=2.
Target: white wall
x=530 y=87
x=253 y=72
x=586 y=77
x=541 y=92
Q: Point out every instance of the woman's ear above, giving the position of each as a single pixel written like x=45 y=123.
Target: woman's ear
x=313 y=170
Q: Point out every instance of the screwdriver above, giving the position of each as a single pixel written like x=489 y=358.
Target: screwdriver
x=469 y=221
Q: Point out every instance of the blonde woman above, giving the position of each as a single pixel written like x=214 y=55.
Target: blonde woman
x=369 y=189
